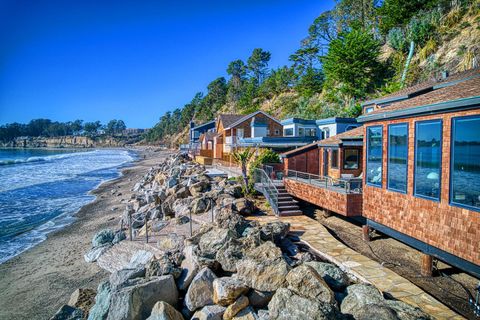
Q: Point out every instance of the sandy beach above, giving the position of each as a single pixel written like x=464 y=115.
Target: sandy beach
x=37 y=282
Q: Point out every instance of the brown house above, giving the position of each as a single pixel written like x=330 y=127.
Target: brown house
x=232 y=127
x=422 y=177
x=328 y=173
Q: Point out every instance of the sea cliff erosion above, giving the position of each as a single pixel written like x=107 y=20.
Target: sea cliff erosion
x=183 y=248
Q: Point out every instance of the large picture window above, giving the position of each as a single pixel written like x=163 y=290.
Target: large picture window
x=350 y=159
x=374 y=155
x=288 y=132
x=397 y=157
x=465 y=168
x=428 y=152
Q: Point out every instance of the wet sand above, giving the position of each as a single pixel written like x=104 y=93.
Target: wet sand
x=36 y=283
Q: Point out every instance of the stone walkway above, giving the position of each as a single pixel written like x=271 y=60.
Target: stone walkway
x=317 y=237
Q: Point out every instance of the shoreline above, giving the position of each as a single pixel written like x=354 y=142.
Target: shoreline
x=36 y=282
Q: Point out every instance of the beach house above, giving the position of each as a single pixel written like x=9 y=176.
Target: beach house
x=422 y=170
x=195 y=133
x=321 y=129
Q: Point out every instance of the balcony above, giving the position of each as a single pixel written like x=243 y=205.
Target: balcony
x=272 y=142
x=342 y=196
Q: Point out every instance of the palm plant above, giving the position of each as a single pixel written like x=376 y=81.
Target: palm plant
x=243 y=158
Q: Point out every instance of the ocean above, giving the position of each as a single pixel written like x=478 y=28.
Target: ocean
x=41 y=190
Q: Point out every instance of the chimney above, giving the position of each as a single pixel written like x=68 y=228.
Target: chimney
x=445 y=74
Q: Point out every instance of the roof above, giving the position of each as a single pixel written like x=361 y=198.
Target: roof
x=319 y=121
x=228 y=118
x=208 y=135
x=209 y=123
x=463 y=94
x=426 y=86
x=235 y=119
x=353 y=134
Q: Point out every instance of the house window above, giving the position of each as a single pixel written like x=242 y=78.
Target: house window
x=288 y=132
x=311 y=132
x=277 y=132
x=301 y=132
x=369 y=109
x=465 y=168
x=350 y=159
x=325 y=133
x=428 y=151
x=334 y=158
x=397 y=157
x=374 y=155
x=240 y=132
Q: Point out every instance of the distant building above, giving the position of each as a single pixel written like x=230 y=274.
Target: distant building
x=320 y=129
x=133 y=131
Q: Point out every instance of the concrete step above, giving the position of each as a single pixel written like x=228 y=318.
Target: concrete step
x=290 y=213
x=287 y=208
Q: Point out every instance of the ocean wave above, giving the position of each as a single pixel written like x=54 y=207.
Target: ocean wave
x=43 y=159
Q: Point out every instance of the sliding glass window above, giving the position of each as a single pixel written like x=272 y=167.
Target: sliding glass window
x=374 y=155
x=428 y=155
x=334 y=159
x=397 y=157
x=465 y=167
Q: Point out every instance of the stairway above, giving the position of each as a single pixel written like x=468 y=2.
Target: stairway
x=287 y=206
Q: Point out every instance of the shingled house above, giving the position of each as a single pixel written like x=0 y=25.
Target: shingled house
x=422 y=170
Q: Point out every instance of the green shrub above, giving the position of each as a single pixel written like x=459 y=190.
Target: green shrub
x=396 y=39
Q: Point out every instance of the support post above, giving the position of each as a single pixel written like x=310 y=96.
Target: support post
x=366 y=233
x=130 y=225
x=427 y=265
x=146 y=227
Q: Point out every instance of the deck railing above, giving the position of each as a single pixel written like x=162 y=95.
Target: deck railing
x=265 y=185
x=350 y=185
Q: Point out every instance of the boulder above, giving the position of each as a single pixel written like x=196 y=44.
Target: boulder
x=306 y=282
x=259 y=299
x=189 y=268
x=213 y=240
x=405 y=311
x=232 y=310
x=229 y=254
x=235 y=191
x=263 y=315
x=211 y=312
x=137 y=301
x=95 y=253
x=172 y=182
x=199 y=205
x=263 y=268
x=163 y=311
x=246 y=314
x=99 y=311
x=139 y=259
x=358 y=297
x=162 y=267
x=333 y=276
x=122 y=278
x=82 y=298
x=179 y=220
x=227 y=219
x=183 y=192
x=200 y=292
x=377 y=312
x=274 y=231
x=119 y=236
x=198 y=188
x=182 y=206
x=243 y=206
x=227 y=289
x=285 y=304
x=171 y=242
x=67 y=312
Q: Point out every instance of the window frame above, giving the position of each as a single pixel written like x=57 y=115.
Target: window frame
x=358 y=158
x=439 y=120
x=288 y=130
x=366 y=157
x=388 y=156
x=331 y=158
x=450 y=176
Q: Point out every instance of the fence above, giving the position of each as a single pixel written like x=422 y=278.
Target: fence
x=347 y=185
x=265 y=185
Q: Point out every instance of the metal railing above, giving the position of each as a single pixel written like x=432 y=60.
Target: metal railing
x=265 y=185
x=346 y=185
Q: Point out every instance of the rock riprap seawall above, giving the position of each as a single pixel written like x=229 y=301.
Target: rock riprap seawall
x=230 y=268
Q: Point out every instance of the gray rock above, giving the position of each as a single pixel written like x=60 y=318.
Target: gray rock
x=198 y=188
x=182 y=220
x=162 y=267
x=200 y=292
x=172 y=182
x=140 y=258
x=235 y=191
x=229 y=254
x=237 y=306
x=213 y=240
x=199 y=205
x=137 y=301
x=82 y=298
x=358 y=297
x=171 y=242
x=306 y=282
x=246 y=314
x=286 y=305
x=259 y=299
x=227 y=289
x=189 y=268
x=119 y=236
x=274 y=231
x=121 y=278
x=243 y=206
x=163 y=311
x=183 y=192
x=263 y=315
x=405 y=311
x=333 y=276
x=211 y=312
x=263 y=268
x=99 y=311
x=95 y=253
x=68 y=313
x=103 y=237
x=377 y=312
x=227 y=219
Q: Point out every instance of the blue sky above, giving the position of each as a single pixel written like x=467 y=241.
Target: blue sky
x=132 y=60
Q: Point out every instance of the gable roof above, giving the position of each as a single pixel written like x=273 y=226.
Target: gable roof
x=246 y=117
x=425 y=87
x=354 y=134
x=206 y=124
x=464 y=94
x=228 y=118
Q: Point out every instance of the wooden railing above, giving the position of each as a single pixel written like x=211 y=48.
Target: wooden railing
x=206 y=153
